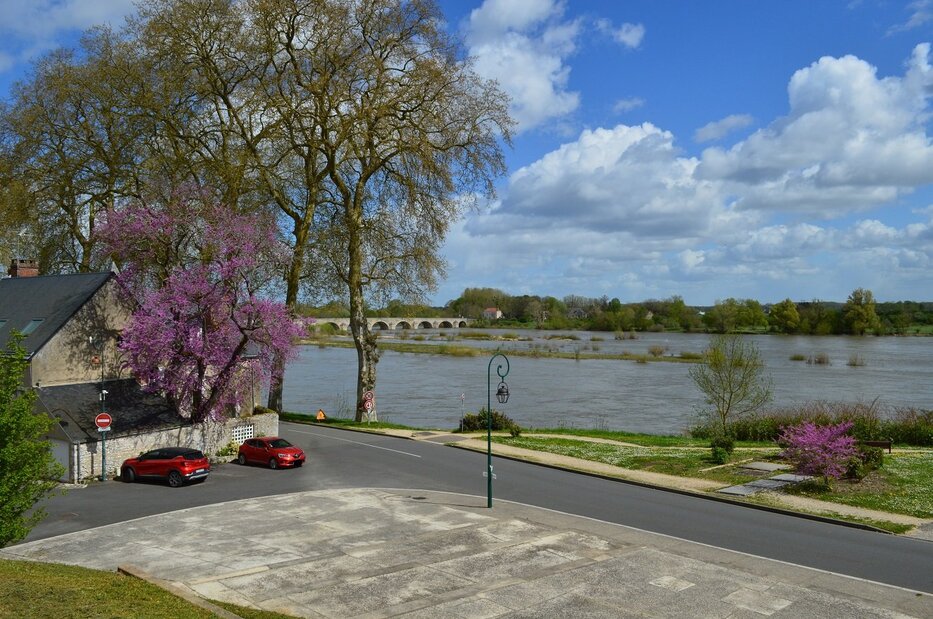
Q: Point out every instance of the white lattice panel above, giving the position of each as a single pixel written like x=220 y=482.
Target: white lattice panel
x=241 y=433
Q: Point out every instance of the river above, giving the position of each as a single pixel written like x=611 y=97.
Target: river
x=658 y=397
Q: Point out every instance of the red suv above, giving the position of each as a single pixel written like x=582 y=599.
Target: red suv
x=175 y=464
x=271 y=450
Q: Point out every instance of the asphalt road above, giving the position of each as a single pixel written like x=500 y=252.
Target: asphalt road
x=341 y=459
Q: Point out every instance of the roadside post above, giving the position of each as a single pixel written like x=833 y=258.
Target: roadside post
x=103 y=422
x=502 y=395
x=369 y=403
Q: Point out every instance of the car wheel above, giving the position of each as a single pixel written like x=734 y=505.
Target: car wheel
x=128 y=475
x=299 y=463
x=175 y=479
x=241 y=459
x=273 y=463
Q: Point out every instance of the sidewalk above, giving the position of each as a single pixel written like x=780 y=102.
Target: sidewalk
x=391 y=553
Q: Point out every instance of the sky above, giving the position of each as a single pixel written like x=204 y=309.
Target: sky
x=715 y=149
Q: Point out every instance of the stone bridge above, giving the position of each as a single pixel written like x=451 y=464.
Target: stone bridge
x=393 y=324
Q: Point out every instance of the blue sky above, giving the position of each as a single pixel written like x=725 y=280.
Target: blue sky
x=704 y=149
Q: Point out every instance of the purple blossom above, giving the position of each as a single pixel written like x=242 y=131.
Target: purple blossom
x=818 y=450
x=197 y=272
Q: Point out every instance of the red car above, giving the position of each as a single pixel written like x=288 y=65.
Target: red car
x=271 y=450
x=175 y=464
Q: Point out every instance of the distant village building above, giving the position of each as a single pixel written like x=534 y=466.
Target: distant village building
x=492 y=313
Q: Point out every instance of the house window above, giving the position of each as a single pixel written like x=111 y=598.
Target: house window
x=241 y=433
x=33 y=324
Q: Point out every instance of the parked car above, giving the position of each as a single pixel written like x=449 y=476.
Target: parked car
x=271 y=450
x=177 y=465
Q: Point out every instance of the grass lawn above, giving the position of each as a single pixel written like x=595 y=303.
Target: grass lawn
x=904 y=485
x=685 y=462
x=46 y=590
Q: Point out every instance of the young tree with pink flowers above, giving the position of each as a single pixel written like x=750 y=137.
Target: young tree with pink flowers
x=199 y=275
x=819 y=450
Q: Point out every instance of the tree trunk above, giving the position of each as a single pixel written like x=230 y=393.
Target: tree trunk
x=365 y=341
x=292 y=283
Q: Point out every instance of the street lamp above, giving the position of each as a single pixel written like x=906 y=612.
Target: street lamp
x=502 y=395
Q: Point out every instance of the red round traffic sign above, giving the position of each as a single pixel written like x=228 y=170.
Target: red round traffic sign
x=103 y=421
x=368 y=404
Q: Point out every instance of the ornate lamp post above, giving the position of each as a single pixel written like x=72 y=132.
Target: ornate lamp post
x=502 y=395
x=100 y=345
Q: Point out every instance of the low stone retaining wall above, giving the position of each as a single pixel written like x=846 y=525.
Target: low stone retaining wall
x=209 y=437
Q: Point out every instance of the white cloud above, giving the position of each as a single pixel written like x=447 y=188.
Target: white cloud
x=524 y=45
x=627 y=105
x=723 y=127
x=851 y=141
x=33 y=27
x=921 y=12
x=629 y=35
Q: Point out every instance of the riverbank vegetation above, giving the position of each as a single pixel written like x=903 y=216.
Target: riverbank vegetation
x=859 y=314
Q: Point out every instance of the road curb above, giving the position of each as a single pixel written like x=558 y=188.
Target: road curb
x=699 y=495
x=136 y=572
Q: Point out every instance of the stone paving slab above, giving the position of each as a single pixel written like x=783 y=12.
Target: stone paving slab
x=381 y=553
x=765 y=466
x=791 y=477
x=741 y=490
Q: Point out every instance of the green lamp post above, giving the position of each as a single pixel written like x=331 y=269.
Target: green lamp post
x=502 y=395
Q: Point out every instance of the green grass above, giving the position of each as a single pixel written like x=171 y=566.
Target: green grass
x=344 y=423
x=43 y=590
x=904 y=485
x=647 y=440
x=684 y=462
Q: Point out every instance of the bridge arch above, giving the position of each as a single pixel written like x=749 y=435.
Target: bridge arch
x=445 y=324
x=402 y=325
x=425 y=324
x=380 y=325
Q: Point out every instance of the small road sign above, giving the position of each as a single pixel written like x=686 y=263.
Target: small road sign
x=368 y=396
x=103 y=421
x=368 y=405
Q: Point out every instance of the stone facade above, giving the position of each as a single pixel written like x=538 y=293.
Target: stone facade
x=209 y=437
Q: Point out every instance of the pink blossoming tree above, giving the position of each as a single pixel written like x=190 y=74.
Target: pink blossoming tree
x=818 y=450
x=199 y=276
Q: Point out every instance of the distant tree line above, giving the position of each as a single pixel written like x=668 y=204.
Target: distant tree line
x=859 y=315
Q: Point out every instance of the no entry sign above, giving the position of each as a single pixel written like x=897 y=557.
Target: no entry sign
x=103 y=421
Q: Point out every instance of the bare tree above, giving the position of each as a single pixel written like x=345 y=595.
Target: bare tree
x=732 y=379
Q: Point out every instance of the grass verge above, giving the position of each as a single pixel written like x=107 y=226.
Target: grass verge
x=344 y=423
x=42 y=590
x=683 y=462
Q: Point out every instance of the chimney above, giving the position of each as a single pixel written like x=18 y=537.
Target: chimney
x=22 y=267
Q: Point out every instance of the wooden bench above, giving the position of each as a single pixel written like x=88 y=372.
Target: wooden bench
x=884 y=444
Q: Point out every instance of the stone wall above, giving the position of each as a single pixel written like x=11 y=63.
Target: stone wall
x=208 y=437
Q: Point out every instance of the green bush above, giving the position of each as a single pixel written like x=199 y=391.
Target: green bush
x=724 y=442
x=906 y=426
x=515 y=431
x=864 y=462
x=720 y=455
x=230 y=449
x=479 y=421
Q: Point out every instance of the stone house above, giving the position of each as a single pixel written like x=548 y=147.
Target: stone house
x=72 y=325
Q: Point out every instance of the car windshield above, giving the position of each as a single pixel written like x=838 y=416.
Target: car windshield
x=279 y=442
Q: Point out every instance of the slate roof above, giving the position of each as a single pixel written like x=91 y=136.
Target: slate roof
x=52 y=298
x=134 y=411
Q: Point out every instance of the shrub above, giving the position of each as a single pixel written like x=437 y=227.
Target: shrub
x=478 y=422
x=819 y=450
x=856 y=360
x=820 y=358
x=866 y=460
x=798 y=357
x=724 y=442
x=656 y=350
x=262 y=410
x=230 y=449
x=515 y=431
x=720 y=455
